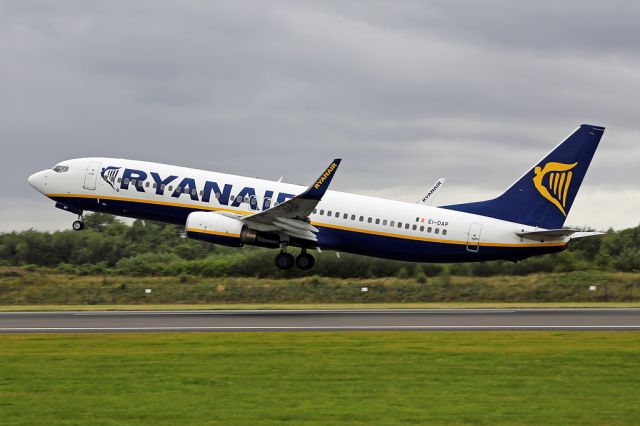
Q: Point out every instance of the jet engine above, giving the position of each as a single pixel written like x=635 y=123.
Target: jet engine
x=219 y=229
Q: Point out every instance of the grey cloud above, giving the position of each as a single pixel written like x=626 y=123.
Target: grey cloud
x=403 y=91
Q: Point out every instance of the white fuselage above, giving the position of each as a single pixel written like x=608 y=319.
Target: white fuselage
x=347 y=222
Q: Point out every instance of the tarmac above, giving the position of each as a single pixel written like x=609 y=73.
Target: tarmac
x=321 y=320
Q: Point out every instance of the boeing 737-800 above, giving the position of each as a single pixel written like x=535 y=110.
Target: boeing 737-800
x=526 y=220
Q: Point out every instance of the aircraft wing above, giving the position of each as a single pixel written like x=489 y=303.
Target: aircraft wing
x=291 y=217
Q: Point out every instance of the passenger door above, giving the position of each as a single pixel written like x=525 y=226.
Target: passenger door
x=91 y=175
x=473 y=239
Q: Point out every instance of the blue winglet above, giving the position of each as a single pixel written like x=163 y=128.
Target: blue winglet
x=317 y=190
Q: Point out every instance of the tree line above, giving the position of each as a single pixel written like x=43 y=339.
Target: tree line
x=109 y=246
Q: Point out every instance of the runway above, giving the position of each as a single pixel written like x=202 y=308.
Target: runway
x=320 y=320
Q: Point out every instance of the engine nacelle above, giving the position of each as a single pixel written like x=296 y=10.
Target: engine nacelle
x=215 y=228
x=218 y=229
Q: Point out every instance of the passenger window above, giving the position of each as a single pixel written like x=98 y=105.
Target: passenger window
x=201 y=192
x=154 y=186
x=321 y=212
x=194 y=192
x=133 y=182
x=217 y=195
x=170 y=188
x=314 y=211
x=146 y=184
x=353 y=217
x=232 y=198
x=377 y=221
x=186 y=190
x=429 y=229
x=437 y=230
x=406 y=226
x=444 y=232
x=384 y=222
x=119 y=180
x=162 y=187
x=392 y=223
x=361 y=218
x=337 y=214
x=369 y=220
x=179 y=189
x=415 y=227
x=246 y=199
x=126 y=181
x=267 y=203
x=422 y=229
x=346 y=216
x=329 y=213
x=399 y=224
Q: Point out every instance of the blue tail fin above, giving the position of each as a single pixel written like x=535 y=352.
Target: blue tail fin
x=544 y=195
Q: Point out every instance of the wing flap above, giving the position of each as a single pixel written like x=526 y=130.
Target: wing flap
x=291 y=218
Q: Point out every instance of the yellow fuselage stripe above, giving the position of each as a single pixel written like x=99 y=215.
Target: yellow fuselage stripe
x=205 y=231
x=323 y=225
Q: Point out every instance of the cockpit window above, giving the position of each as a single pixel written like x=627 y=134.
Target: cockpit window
x=61 y=169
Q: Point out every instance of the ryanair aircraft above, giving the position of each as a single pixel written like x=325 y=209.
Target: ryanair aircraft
x=526 y=220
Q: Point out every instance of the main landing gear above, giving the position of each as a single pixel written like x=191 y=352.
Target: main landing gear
x=78 y=225
x=286 y=261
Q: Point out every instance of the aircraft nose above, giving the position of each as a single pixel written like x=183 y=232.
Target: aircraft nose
x=36 y=179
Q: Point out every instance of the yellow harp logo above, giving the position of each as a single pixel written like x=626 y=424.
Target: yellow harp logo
x=553 y=181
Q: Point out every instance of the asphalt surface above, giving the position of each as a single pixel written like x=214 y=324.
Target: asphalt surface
x=310 y=320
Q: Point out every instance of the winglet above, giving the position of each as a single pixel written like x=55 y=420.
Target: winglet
x=316 y=190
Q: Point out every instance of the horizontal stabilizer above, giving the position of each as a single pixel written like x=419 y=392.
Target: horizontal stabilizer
x=585 y=234
x=547 y=234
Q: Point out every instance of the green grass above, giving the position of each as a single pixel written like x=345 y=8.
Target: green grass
x=24 y=287
x=321 y=378
x=284 y=306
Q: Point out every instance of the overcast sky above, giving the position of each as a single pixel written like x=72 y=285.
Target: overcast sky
x=403 y=91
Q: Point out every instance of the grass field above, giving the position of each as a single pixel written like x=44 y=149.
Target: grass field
x=321 y=378
x=44 y=287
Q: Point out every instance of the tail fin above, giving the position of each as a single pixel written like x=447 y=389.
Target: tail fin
x=544 y=195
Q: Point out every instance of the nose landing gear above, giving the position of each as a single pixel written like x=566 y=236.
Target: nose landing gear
x=78 y=225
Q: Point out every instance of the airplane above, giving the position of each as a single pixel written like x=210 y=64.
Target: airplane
x=525 y=220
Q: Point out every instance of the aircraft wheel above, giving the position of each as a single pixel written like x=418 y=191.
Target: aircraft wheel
x=285 y=261
x=78 y=225
x=305 y=261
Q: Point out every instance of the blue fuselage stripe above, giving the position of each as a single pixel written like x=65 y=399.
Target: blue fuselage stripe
x=350 y=241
